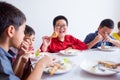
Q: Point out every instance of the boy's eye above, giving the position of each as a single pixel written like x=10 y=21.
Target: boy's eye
x=27 y=39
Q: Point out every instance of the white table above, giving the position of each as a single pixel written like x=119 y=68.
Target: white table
x=78 y=74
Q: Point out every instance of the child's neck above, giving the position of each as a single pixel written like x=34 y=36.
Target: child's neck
x=61 y=39
x=4 y=45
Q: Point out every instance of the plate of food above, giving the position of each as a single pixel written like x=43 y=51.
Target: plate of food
x=59 y=67
x=106 y=48
x=69 y=52
x=102 y=68
x=36 y=55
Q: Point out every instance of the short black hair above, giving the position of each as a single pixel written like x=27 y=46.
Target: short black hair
x=58 y=18
x=29 y=30
x=118 y=24
x=10 y=15
x=107 y=23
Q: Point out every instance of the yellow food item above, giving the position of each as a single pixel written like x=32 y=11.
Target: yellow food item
x=37 y=53
x=107 y=64
x=54 y=69
x=54 y=35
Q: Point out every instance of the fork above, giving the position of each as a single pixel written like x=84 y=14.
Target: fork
x=103 y=43
x=98 y=66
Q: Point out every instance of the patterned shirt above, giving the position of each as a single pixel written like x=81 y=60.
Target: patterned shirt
x=6 y=71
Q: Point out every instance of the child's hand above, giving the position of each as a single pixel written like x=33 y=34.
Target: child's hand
x=46 y=40
x=98 y=38
x=107 y=38
x=46 y=61
x=24 y=48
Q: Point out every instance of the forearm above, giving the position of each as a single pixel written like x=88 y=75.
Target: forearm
x=39 y=68
x=16 y=64
x=44 y=48
x=91 y=44
x=36 y=73
x=115 y=42
x=19 y=65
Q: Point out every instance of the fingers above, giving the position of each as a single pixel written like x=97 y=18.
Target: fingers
x=24 y=48
x=46 y=40
x=99 y=37
x=24 y=45
x=46 y=37
x=107 y=39
x=47 y=60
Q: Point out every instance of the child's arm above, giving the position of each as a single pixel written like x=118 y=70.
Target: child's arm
x=97 y=39
x=46 y=43
x=19 y=65
x=39 y=68
x=21 y=59
x=115 y=42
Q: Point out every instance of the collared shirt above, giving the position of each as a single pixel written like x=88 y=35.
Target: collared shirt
x=6 y=71
x=90 y=37
x=69 y=41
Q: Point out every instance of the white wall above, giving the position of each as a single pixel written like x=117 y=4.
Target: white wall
x=84 y=15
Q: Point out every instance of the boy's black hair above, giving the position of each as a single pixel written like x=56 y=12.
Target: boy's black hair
x=29 y=30
x=118 y=24
x=10 y=15
x=107 y=23
x=58 y=18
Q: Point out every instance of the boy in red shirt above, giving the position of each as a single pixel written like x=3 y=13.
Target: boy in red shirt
x=62 y=40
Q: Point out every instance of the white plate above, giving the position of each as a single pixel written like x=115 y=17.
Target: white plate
x=33 y=57
x=38 y=56
x=67 y=67
x=69 y=52
x=87 y=66
x=107 y=48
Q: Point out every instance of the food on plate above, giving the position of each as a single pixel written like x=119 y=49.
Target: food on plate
x=66 y=60
x=56 y=66
x=108 y=64
x=37 y=53
x=54 y=35
x=71 y=51
x=105 y=47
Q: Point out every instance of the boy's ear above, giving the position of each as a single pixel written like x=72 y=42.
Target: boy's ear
x=10 y=31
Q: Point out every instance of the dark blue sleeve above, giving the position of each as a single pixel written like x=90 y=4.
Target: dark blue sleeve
x=89 y=38
x=6 y=71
